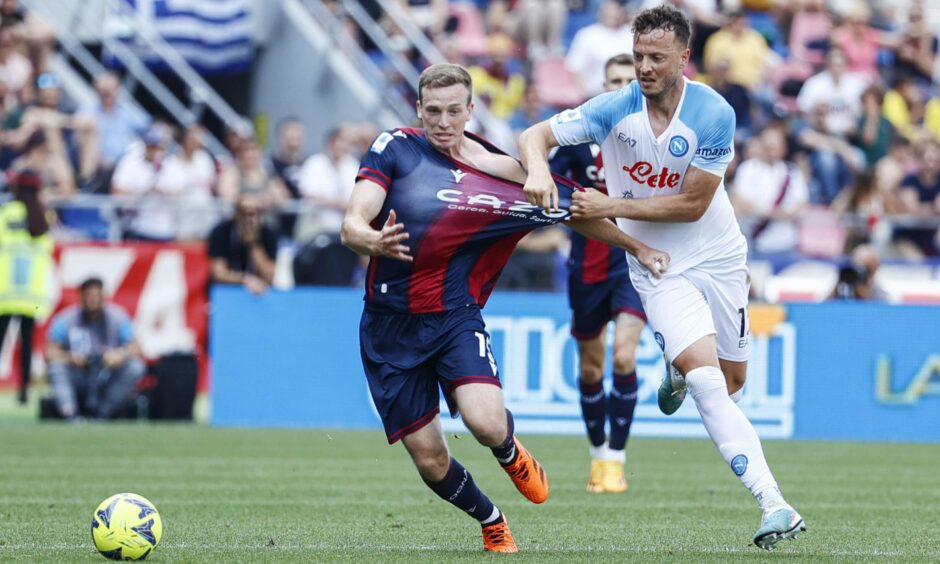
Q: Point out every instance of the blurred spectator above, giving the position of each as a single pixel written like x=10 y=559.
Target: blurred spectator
x=326 y=181
x=70 y=137
x=15 y=68
x=593 y=45
x=832 y=159
x=917 y=48
x=809 y=32
x=243 y=249
x=25 y=266
x=769 y=195
x=865 y=203
x=429 y=15
x=736 y=95
x=904 y=107
x=859 y=42
x=54 y=173
x=361 y=137
x=94 y=359
x=857 y=279
x=248 y=175
x=892 y=169
x=839 y=90
x=874 y=132
x=539 y=25
x=498 y=86
x=153 y=217
x=289 y=156
x=189 y=177
x=530 y=112
x=920 y=197
x=745 y=49
x=117 y=124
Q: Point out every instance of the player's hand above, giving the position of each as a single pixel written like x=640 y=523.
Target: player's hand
x=391 y=240
x=657 y=262
x=590 y=204
x=542 y=192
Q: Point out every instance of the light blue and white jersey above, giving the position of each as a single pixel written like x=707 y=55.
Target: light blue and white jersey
x=639 y=164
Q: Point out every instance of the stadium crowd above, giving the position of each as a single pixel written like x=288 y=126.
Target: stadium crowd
x=837 y=106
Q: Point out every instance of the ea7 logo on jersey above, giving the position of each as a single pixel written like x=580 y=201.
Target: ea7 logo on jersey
x=642 y=173
x=488 y=203
x=630 y=141
x=568 y=115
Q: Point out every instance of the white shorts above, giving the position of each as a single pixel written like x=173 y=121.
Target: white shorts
x=707 y=299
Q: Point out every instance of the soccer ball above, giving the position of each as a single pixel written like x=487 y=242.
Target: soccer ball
x=126 y=527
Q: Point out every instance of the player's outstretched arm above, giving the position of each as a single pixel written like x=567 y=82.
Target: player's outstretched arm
x=605 y=231
x=534 y=145
x=359 y=235
x=687 y=206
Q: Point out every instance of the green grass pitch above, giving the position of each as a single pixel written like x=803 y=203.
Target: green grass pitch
x=233 y=495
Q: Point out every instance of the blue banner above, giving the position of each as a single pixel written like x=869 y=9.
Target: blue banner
x=855 y=371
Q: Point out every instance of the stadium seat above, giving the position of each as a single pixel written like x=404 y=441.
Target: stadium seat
x=471 y=32
x=557 y=86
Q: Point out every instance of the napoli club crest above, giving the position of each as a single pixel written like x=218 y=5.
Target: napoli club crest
x=678 y=146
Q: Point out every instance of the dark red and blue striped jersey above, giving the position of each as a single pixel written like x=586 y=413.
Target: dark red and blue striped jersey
x=590 y=261
x=463 y=224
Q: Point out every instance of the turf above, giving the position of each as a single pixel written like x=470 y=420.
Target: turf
x=232 y=495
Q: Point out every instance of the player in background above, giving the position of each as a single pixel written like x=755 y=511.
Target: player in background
x=599 y=290
x=440 y=212
x=666 y=143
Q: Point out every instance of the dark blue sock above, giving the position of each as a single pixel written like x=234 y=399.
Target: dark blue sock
x=458 y=488
x=506 y=452
x=622 y=403
x=593 y=410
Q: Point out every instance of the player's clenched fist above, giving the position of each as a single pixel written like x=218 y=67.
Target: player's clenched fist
x=542 y=192
x=657 y=262
x=590 y=204
x=391 y=238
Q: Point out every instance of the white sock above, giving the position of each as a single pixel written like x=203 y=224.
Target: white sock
x=736 y=397
x=731 y=432
x=493 y=516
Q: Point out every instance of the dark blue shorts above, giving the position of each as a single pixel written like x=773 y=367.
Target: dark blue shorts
x=408 y=357
x=593 y=305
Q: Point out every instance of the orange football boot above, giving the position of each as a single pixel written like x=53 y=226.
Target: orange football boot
x=497 y=538
x=527 y=474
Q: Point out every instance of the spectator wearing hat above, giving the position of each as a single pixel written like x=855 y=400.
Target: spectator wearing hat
x=94 y=359
x=25 y=266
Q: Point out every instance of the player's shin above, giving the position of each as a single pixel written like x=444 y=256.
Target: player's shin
x=621 y=404
x=505 y=452
x=733 y=434
x=593 y=410
x=458 y=488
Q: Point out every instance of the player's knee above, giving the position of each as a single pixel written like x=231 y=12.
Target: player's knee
x=624 y=361
x=489 y=431
x=591 y=372
x=432 y=463
x=735 y=381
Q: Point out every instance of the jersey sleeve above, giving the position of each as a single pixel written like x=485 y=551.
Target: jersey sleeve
x=592 y=120
x=716 y=142
x=378 y=164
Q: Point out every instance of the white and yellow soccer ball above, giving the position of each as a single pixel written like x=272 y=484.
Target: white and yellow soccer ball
x=126 y=526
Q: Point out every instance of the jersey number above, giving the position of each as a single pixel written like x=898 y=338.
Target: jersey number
x=485 y=350
x=743 y=313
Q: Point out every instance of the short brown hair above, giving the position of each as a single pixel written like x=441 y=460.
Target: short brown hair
x=666 y=18
x=443 y=75
x=624 y=59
